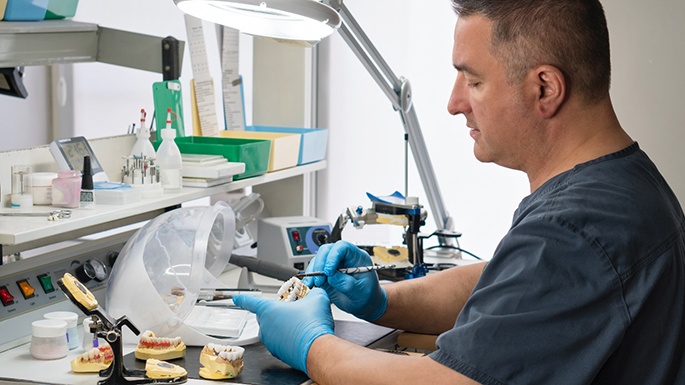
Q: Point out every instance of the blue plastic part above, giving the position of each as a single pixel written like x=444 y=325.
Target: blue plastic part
x=26 y=10
x=394 y=198
x=417 y=271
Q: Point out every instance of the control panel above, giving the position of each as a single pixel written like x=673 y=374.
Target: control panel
x=28 y=287
x=291 y=241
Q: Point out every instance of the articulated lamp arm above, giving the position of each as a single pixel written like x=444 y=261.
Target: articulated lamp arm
x=400 y=95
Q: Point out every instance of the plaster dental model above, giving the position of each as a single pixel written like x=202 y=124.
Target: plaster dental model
x=160 y=369
x=81 y=293
x=292 y=290
x=221 y=361
x=93 y=361
x=160 y=348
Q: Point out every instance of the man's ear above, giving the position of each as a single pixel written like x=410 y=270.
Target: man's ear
x=551 y=83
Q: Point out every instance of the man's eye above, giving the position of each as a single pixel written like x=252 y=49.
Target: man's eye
x=474 y=85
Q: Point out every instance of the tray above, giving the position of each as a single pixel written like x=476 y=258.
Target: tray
x=284 y=147
x=312 y=144
x=253 y=152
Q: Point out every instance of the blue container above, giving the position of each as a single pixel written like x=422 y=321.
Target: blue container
x=312 y=145
x=25 y=10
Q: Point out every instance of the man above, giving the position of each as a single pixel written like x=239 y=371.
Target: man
x=588 y=285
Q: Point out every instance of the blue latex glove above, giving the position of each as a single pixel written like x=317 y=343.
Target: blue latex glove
x=359 y=294
x=288 y=329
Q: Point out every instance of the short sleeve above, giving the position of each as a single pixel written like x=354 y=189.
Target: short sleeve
x=547 y=310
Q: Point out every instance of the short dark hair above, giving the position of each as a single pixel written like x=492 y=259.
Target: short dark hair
x=571 y=35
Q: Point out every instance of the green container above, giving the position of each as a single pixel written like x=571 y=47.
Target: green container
x=253 y=152
x=60 y=9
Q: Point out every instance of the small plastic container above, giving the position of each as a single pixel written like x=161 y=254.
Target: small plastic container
x=22 y=195
x=42 y=187
x=66 y=189
x=170 y=162
x=49 y=339
x=71 y=319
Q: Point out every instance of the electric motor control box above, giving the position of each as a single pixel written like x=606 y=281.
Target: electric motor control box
x=291 y=241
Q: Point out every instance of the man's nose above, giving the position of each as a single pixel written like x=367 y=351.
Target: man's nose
x=458 y=102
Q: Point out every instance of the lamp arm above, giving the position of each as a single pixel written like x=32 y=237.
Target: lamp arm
x=399 y=93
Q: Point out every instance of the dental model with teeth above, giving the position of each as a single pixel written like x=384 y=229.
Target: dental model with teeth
x=93 y=360
x=221 y=361
x=161 y=369
x=292 y=290
x=161 y=348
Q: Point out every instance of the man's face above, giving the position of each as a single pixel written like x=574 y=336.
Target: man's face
x=497 y=112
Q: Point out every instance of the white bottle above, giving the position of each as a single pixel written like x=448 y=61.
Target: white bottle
x=169 y=160
x=143 y=147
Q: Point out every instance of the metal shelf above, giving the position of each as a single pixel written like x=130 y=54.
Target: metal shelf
x=27 y=43
x=23 y=233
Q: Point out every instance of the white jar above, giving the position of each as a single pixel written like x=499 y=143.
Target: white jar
x=71 y=319
x=49 y=339
x=42 y=187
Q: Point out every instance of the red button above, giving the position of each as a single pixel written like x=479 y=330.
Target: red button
x=5 y=296
x=296 y=235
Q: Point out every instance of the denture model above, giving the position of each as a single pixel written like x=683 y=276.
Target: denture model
x=93 y=361
x=292 y=290
x=160 y=348
x=221 y=361
x=161 y=369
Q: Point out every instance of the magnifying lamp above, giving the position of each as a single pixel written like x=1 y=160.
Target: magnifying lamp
x=311 y=21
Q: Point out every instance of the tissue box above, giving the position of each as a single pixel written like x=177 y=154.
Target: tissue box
x=313 y=141
x=284 y=147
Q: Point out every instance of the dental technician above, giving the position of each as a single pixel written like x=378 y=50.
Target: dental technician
x=588 y=285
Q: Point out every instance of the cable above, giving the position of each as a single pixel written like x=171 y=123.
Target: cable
x=454 y=248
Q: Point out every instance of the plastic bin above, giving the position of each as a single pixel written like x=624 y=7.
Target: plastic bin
x=25 y=10
x=60 y=9
x=313 y=141
x=253 y=152
x=284 y=147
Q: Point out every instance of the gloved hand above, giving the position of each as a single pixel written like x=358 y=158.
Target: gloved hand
x=288 y=329
x=359 y=294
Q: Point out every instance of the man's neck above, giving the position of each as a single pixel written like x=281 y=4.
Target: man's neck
x=583 y=134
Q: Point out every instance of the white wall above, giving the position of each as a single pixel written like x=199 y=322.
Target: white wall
x=366 y=148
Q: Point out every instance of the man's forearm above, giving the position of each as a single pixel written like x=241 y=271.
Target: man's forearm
x=430 y=304
x=333 y=361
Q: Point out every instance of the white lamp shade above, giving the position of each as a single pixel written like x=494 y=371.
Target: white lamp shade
x=299 y=20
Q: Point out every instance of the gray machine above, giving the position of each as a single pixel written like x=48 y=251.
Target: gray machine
x=291 y=241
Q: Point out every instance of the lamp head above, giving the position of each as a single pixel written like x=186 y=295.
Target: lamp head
x=296 y=21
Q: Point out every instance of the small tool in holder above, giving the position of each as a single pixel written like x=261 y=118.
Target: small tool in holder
x=110 y=330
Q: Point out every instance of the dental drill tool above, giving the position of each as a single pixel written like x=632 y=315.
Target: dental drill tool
x=348 y=270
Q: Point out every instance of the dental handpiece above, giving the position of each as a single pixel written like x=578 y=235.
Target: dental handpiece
x=348 y=270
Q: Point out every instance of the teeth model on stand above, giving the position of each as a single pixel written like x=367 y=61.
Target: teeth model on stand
x=221 y=361
x=93 y=360
x=150 y=346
